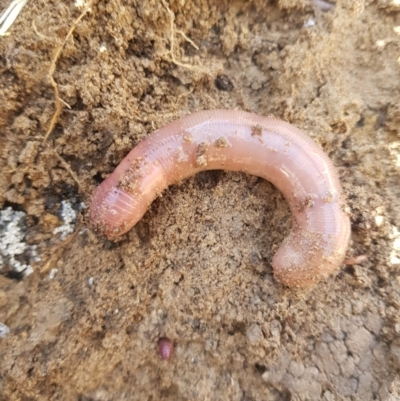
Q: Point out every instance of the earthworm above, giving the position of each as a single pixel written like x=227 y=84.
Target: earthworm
x=165 y=348
x=237 y=141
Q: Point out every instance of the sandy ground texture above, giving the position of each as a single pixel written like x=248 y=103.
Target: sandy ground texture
x=81 y=316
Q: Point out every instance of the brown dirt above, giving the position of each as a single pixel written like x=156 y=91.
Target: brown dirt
x=197 y=267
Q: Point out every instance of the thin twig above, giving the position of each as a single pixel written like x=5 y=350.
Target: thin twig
x=171 y=51
x=51 y=73
x=69 y=169
x=10 y=15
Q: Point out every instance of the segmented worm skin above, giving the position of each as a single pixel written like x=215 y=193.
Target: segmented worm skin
x=165 y=348
x=237 y=141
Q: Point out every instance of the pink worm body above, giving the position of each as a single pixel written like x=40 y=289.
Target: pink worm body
x=237 y=141
x=165 y=348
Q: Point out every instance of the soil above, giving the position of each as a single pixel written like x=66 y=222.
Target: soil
x=196 y=268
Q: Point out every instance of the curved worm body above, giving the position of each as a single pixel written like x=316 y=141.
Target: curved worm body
x=237 y=141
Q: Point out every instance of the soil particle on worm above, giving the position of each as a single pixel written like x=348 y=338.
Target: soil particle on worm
x=201 y=158
x=256 y=130
x=197 y=266
x=128 y=180
x=221 y=142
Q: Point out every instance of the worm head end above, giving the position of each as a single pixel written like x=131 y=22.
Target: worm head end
x=300 y=261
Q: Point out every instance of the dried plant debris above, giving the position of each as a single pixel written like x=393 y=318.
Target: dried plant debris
x=68 y=214
x=15 y=253
x=10 y=15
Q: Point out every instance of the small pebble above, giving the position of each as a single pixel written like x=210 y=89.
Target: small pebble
x=254 y=334
x=53 y=273
x=4 y=330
